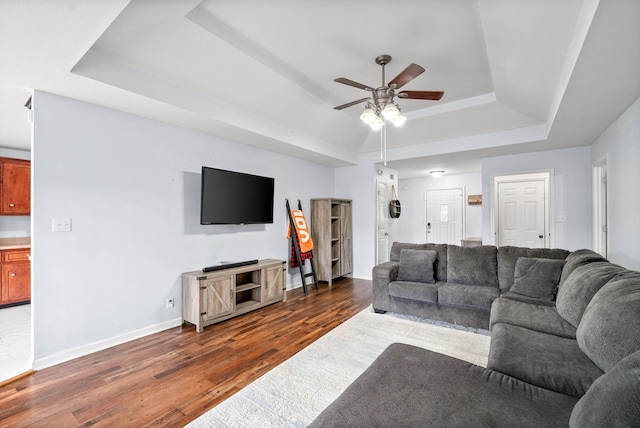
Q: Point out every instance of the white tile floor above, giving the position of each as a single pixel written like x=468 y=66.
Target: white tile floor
x=15 y=341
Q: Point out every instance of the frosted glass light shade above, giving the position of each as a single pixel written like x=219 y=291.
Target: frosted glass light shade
x=399 y=120
x=376 y=124
x=390 y=111
x=368 y=115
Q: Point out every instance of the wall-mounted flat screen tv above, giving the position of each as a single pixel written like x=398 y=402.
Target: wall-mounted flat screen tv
x=229 y=197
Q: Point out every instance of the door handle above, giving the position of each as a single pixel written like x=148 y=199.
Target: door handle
x=540 y=236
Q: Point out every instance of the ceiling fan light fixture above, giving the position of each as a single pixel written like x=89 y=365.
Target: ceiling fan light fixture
x=399 y=120
x=390 y=111
x=368 y=115
x=437 y=173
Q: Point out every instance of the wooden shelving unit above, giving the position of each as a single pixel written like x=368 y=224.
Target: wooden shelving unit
x=331 y=231
x=212 y=297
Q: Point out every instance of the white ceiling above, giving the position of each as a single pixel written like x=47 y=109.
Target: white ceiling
x=518 y=75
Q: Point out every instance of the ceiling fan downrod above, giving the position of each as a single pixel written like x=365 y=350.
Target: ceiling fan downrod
x=383 y=60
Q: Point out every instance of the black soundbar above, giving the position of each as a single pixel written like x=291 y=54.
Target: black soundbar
x=229 y=265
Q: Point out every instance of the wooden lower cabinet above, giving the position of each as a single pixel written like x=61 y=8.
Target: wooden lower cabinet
x=15 y=283
x=212 y=297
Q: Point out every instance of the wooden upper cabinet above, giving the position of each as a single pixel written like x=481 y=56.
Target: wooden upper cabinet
x=15 y=189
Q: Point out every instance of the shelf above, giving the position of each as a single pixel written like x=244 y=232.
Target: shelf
x=245 y=287
x=246 y=304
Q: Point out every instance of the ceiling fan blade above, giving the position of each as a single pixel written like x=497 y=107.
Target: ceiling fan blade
x=352 y=103
x=421 y=95
x=407 y=75
x=352 y=83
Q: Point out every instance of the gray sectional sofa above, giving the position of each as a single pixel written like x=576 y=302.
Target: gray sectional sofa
x=458 y=286
x=565 y=342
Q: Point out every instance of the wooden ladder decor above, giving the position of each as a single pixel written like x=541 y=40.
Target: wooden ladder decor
x=298 y=256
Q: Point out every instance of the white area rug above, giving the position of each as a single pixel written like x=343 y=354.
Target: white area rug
x=294 y=393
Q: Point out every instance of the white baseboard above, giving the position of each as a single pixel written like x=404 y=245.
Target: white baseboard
x=81 y=351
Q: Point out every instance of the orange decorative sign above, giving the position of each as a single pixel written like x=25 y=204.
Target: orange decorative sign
x=302 y=230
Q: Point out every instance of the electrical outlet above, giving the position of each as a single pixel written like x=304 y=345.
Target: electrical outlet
x=62 y=225
x=169 y=302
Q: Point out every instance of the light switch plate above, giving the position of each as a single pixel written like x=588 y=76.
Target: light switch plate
x=62 y=225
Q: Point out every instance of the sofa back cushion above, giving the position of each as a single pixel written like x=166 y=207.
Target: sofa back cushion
x=579 y=288
x=417 y=266
x=440 y=265
x=612 y=400
x=536 y=277
x=472 y=265
x=508 y=256
x=610 y=326
x=578 y=258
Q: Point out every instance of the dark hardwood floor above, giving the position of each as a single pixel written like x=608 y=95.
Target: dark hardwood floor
x=172 y=377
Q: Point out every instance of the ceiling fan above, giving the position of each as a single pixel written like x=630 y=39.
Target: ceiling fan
x=381 y=103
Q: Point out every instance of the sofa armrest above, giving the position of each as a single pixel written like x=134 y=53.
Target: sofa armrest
x=383 y=274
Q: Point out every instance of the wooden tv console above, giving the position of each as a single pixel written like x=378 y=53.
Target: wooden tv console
x=211 y=297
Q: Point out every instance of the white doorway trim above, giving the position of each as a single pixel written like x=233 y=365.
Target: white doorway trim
x=382 y=208
x=600 y=226
x=547 y=177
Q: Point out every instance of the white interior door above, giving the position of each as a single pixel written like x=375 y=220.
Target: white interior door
x=521 y=214
x=381 y=220
x=444 y=218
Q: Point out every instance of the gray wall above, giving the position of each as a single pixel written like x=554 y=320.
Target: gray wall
x=571 y=191
x=620 y=145
x=131 y=187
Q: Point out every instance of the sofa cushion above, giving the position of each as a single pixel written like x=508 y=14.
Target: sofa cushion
x=527 y=299
x=397 y=247
x=536 y=277
x=472 y=265
x=579 y=288
x=508 y=256
x=413 y=387
x=414 y=290
x=541 y=359
x=440 y=266
x=576 y=259
x=613 y=399
x=467 y=295
x=542 y=318
x=416 y=266
x=610 y=326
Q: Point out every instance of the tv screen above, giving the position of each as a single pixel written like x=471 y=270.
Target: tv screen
x=229 y=197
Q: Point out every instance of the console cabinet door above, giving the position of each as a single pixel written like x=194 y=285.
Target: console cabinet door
x=16 y=187
x=218 y=296
x=346 y=242
x=274 y=287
